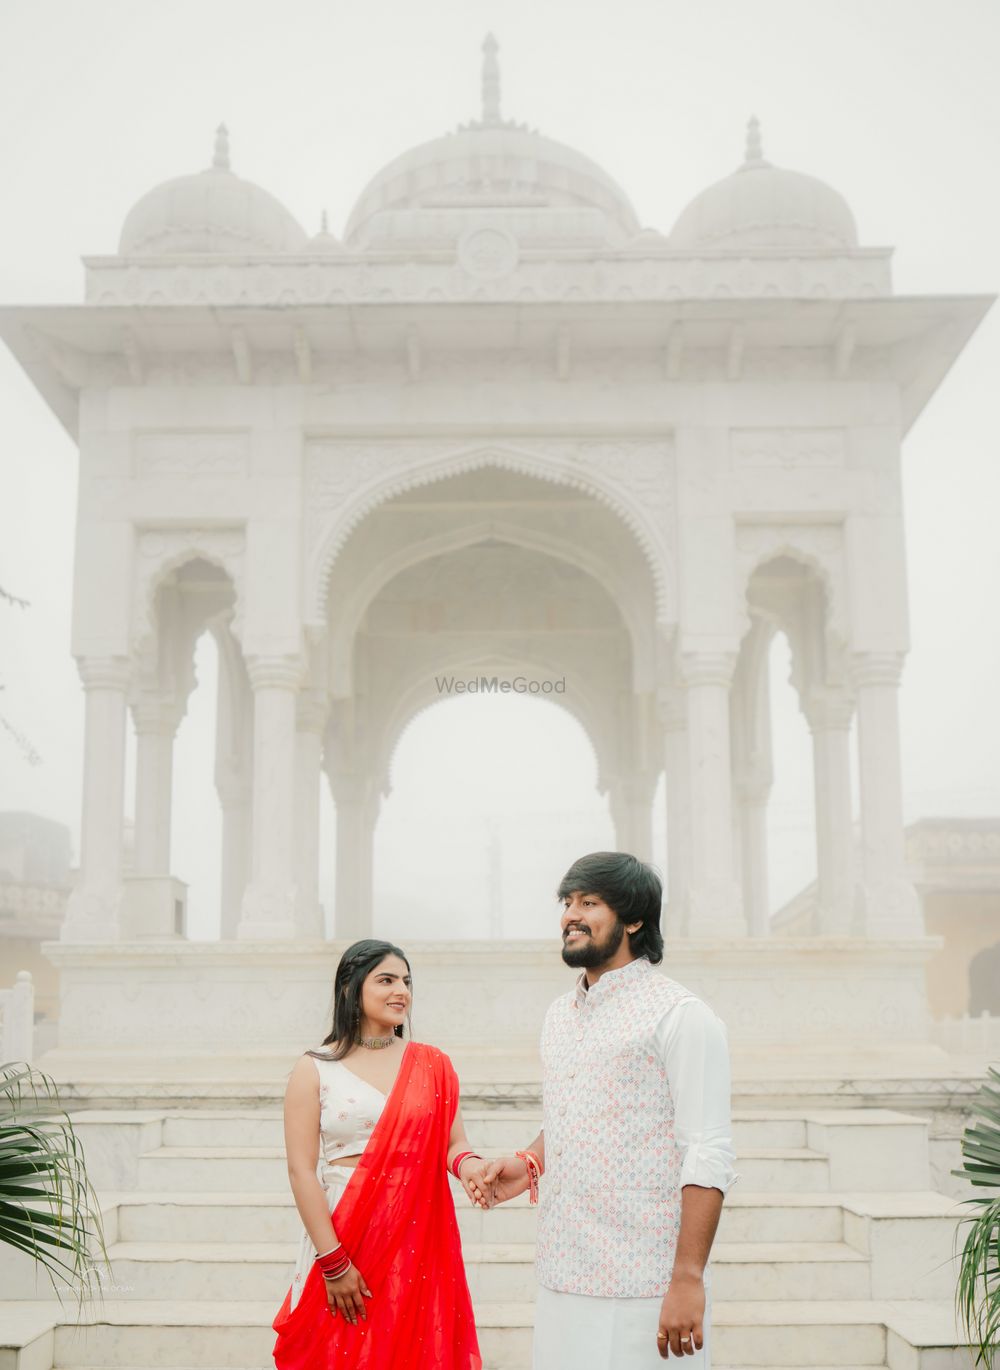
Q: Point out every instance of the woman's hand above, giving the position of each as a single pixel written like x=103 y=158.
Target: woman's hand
x=470 y=1172
x=347 y=1295
x=504 y=1179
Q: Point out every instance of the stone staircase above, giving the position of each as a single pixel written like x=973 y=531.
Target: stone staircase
x=833 y=1249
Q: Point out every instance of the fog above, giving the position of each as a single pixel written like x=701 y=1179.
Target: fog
x=896 y=105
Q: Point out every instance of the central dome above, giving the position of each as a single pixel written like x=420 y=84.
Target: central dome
x=488 y=165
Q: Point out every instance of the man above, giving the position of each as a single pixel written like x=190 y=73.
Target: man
x=635 y=1146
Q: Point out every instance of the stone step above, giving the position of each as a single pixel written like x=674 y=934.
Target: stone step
x=213 y=1217
x=497 y=1272
x=493 y=1130
x=250 y=1168
x=166 y=1335
x=201 y=1217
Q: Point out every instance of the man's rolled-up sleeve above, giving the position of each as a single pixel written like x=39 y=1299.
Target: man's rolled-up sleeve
x=693 y=1045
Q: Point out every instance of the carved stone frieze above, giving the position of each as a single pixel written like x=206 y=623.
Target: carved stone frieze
x=788 y=448
x=190 y=453
x=488 y=267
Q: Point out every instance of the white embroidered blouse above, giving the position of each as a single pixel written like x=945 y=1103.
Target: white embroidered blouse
x=636 y=1104
x=349 y=1108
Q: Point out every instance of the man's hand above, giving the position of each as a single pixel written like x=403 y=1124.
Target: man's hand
x=504 y=1178
x=682 y=1317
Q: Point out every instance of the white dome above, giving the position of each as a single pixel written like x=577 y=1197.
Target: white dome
x=491 y=164
x=761 y=205
x=324 y=241
x=494 y=167
x=210 y=211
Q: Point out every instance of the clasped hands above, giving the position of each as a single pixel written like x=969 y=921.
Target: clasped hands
x=489 y=1183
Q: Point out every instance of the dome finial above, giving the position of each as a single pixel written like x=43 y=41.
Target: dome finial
x=324 y=226
x=755 y=150
x=220 y=161
x=491 y=81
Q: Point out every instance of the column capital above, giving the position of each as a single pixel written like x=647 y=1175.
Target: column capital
x=708 y=668
x=828 y=708
x=155 y=712
x=877 y=668
x=350 y=787
x=104 y=672
x=275 y=672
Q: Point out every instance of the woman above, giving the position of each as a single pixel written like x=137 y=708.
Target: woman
x=372 y=1128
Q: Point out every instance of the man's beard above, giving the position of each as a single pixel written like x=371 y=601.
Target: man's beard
x=593 y=954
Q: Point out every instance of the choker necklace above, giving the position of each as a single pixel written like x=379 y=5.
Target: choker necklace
x=375 y=1043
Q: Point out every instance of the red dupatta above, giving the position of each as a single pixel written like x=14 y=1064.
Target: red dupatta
x=396 y=1219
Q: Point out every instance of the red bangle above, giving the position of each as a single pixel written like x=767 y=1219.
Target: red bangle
x=534 y=1168
x=463 y=1156
x=334 y=1263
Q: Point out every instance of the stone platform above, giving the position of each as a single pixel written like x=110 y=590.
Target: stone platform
x=205 y=1010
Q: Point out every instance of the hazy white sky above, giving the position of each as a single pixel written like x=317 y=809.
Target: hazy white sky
x=894 y=102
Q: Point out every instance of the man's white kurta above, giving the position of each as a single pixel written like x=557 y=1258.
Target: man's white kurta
x=636 y=1104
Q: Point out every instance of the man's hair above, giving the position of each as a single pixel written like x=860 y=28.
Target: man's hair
x=627 y=885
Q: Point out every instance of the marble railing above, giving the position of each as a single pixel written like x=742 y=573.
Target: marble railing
x=17 y=1013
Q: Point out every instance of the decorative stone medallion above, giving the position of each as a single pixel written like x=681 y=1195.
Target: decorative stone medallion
x=488 y=253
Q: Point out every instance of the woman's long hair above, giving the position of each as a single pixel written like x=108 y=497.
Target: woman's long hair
x=356 y=964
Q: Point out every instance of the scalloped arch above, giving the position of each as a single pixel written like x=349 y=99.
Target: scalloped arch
x=547 y=465
x=818 y=547
x=159 y=552
x=467 y=535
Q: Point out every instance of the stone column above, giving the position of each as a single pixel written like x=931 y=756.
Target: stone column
x=235 y=793
x=673 y=717
x=311 y=722
x=93 y=913
x=753 y=788
x=155 y=719
x=715 y=899
x=829 y=714
x=632 y=812
x=356 y=813
x=233 y=778
x=889 y=901
x=270 y=900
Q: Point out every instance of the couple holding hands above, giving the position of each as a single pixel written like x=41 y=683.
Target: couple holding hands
x=629 y=1170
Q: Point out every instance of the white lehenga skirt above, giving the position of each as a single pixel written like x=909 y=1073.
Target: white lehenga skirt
x=578 y=1332
x=334 y=1180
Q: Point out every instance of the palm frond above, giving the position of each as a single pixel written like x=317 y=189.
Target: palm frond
x=977 y=1294
x=48 y=1207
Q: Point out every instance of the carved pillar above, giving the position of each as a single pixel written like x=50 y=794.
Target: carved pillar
x=829 y=713
x=673 y=717
x=889 y=901
x=715 y=899
x=270 y=900
x=155 y=718
x=357 y=810
x=93 y=913
x=752 y=791
x=631 y=799
x=233 y=778
x=312 y=713
x=235 y=793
